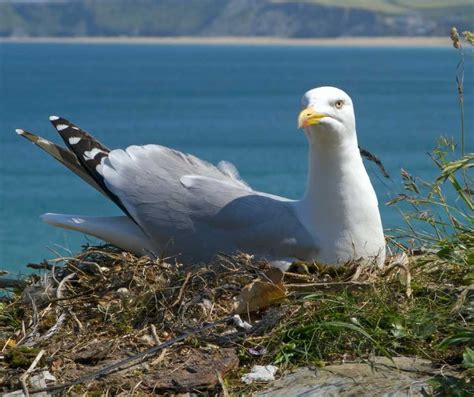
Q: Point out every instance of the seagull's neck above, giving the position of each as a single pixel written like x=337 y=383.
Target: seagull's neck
x=329 y=166
x=339 y=197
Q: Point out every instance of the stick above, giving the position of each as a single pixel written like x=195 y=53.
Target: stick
x=11 y=283
x=30 y=369
x=327 y=285
x=136 y=359
x=401 y=261
x=60 y=319
x=59 y=290
x=225 y=393
x=34 y=325
x=155 y=335
x=462 y=297
x=181 y=291
x=40 y=266
x=55 y=328
x=34 y=363
x=157 y=341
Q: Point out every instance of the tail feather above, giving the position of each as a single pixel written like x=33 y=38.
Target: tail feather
x=89 y=152
x=62 y=155
x=88 y=149
x=120 y=231
x=84 y=159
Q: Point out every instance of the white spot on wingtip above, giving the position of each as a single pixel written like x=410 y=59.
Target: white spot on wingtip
x=89 y=155
x=44 y=141
x=61 y=127
x=53 y=118
x=73 y=140
x=19 y=131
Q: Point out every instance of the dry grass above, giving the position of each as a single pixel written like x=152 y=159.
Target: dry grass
x=105 y=305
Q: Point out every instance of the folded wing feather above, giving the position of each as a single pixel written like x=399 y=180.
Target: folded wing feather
x=186 y=204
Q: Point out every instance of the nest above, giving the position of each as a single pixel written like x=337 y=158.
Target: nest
x=105 y=305
x=107 y=321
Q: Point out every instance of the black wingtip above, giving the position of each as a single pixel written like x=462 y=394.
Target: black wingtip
x=60 y=123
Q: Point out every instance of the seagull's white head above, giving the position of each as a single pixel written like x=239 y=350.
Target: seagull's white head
x=327 y=116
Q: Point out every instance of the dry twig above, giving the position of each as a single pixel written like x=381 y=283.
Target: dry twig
x=24 y=377
x=133 y=360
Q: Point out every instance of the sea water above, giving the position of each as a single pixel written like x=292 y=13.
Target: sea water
x=237 y=103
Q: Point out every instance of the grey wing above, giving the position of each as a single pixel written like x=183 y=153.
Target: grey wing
x=148 y=181
x=180 y=200
x=256 y=223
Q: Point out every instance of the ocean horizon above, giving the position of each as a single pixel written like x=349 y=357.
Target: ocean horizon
x=233 y=103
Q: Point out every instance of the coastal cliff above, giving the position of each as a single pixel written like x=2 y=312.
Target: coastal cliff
x=217 y=18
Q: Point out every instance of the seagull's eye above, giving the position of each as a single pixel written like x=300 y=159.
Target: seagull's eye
x=339 y=104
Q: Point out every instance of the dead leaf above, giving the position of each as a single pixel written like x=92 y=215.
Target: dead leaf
x=7 y=343
x=274 y=275
x=259 y=295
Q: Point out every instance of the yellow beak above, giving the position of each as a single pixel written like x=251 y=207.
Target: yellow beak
x=309 y=117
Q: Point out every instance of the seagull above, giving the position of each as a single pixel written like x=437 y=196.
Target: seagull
x=175 y=204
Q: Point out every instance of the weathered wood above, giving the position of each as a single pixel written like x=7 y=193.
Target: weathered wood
x=11 y=283
x=40 y=266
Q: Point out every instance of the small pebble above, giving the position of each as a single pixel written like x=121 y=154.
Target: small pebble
x=148 y=340
x=260 y=373
x=238 y=322
x=123 y=291
x=207 y=304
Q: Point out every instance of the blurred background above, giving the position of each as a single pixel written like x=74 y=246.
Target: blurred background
x=236 y=101
x=281 y=18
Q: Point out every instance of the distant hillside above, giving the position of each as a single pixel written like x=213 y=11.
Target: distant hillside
x=281 y=18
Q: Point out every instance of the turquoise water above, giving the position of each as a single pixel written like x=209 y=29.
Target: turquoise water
x=233 y=103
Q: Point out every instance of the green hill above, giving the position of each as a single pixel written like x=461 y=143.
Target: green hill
x=281 y=18
x=389 y=6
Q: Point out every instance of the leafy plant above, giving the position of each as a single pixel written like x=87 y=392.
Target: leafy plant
x=461 y=337
x=468 y=358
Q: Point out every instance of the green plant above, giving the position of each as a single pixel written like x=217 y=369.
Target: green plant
x=441 y=212
x=441 y=217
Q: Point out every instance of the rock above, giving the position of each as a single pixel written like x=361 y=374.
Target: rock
x=239 y=323
x=94 y=353
x=260 y=373
x=197 y=371
x=38 y=381
x=123 y=292
x=406 y=377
